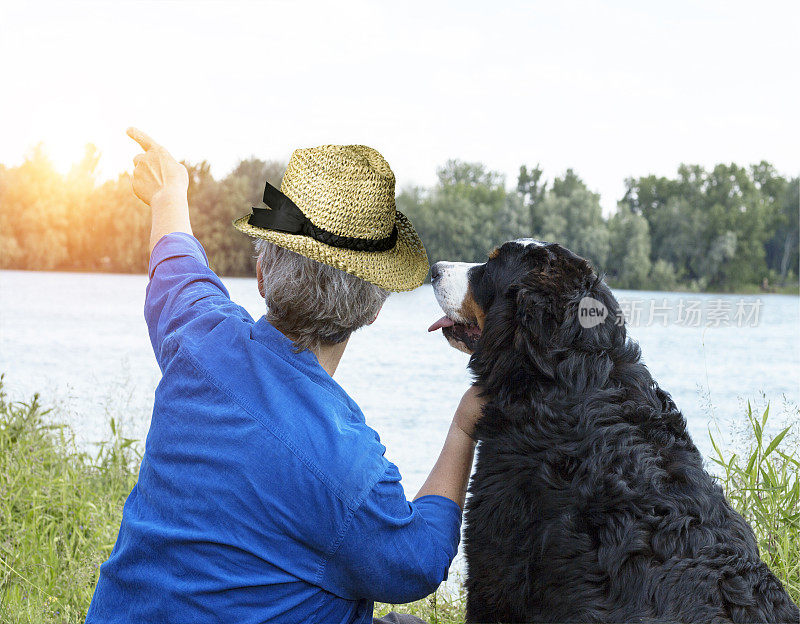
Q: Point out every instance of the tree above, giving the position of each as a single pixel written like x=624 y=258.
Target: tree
x=788 y=229
x=255 y=171
x=466 y=214
x=781 y=247
x=216 y=204
x=719 y=229
x=714 y=227
x=572 y=216
x=531 y=191
x=34 y=215
x=628 y=264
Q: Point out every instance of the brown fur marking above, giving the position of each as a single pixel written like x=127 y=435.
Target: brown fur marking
x=470 y=309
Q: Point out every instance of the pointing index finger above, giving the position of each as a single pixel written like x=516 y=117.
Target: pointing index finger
x=141 y=138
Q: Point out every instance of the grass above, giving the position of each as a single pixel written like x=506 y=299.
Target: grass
x=446 y=606
x=763 y=484
x=60 y=510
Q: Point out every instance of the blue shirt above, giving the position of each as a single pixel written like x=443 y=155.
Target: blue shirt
x=263 y=496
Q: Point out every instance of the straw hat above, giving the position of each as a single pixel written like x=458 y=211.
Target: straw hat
x=336 y=206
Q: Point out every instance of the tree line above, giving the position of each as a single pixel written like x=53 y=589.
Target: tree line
x=724 y=229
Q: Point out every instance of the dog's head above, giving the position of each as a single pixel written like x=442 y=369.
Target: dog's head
x=531 y=297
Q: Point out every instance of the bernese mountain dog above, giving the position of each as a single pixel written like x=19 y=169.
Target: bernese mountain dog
x=589 y=501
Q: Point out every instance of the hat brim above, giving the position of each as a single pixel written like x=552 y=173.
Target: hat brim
x=399 y=269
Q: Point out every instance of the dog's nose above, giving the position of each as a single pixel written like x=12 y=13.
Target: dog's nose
x=435 y=272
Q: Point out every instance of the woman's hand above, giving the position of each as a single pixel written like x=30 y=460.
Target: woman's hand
x=157 y=176
x=162 y=183
x=469 y=410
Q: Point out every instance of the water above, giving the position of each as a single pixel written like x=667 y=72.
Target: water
x=81 y=341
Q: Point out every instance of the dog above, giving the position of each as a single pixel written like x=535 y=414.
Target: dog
x=589 y=501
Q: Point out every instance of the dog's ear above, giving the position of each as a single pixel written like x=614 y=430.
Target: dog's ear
x=537 y=318
x=597 y=330
x=536 y=312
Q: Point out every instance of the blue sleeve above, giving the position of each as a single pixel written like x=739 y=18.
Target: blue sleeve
x=394 y=550
x=185 y=299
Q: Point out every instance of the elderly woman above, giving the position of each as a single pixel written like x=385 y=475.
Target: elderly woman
x=263 y=496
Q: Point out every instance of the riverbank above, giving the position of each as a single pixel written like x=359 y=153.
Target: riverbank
x=60 y=509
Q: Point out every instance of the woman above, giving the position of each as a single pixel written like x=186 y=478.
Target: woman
x=262 y=494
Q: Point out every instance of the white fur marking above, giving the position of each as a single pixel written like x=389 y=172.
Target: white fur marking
x=451 y=288
x=530 y=242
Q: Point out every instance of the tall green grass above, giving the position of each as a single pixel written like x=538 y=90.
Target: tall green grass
x=763 y=484
x=60 y=510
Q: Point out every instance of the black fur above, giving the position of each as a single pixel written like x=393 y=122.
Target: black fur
x=589 y=502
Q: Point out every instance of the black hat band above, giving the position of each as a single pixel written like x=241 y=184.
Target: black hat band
x=283 y=215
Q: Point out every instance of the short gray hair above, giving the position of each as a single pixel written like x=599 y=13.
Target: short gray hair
x=311 y=302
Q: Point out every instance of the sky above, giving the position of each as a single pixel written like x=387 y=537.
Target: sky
x=611 y=89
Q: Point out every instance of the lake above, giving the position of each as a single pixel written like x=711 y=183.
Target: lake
x=80 y=340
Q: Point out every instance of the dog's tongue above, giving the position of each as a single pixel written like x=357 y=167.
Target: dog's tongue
x=442 y=322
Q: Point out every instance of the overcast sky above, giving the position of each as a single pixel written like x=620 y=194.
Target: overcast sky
x=611 y=89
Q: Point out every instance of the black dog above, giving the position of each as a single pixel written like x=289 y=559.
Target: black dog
x=589 y=502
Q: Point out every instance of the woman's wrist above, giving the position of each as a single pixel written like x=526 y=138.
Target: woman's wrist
x=450 y=475
x=469 y=410
x=170 y=199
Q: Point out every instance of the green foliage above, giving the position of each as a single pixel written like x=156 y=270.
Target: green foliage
x=728 y=228
x=445 y=606
x=782 y=247
x=720 y=229
x=763 y=484
x=60 y=510
x=629 y=250
x=531 y=190
x=463 y=215
x=663 y=276
x=724 y=229
x=571 y=215
x=215 y=204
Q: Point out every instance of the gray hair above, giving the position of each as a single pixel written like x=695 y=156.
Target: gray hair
x=311 y=302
